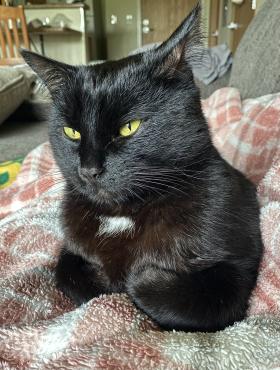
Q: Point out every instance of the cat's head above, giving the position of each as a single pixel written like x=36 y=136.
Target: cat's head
x=126 y=129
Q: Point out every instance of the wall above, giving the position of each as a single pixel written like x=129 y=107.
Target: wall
x=259 y=4
x=123 y=36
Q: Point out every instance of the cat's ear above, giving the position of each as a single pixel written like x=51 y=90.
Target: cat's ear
x=182 y=47
x=51 y=72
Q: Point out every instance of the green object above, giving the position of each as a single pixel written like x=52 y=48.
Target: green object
x=9 y=171
x=4 y=178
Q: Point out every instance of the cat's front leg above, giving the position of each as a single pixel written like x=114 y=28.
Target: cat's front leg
x=207 y=300
x=79 y=279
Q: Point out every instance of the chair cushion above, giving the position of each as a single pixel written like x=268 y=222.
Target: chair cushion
x=15 y=86
x=256 y=65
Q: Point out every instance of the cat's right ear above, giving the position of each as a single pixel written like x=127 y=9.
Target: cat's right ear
x=183 y=48
x=51 y=72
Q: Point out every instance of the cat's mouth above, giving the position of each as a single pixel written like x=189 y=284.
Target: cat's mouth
x=101 y=193
x=104 y=196
x=99 y=196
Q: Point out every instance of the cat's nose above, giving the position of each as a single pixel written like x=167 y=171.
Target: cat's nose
x=89 y=174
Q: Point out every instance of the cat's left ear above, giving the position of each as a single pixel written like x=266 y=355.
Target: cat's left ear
x=182 y=48
x=54 y=74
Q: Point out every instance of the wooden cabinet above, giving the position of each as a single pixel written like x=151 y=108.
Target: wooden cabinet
x=228 y=20
x=70 y=44
x=129 y=24
x=161 y=17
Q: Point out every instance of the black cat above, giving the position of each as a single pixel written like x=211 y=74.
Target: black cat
x=150 y=207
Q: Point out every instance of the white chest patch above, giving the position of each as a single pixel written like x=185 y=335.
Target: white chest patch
x=115 y=225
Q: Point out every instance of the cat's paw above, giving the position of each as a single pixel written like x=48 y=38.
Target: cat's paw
x=78 y=279
x=206 y=300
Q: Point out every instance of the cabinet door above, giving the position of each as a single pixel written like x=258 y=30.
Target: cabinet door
x=161 y=17
x=235 y=17
x=122 y=27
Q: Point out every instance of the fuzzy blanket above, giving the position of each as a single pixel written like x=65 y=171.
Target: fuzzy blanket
x=41 y=329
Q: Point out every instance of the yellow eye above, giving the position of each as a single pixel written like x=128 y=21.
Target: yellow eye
x=130 y=128
x=71 y=133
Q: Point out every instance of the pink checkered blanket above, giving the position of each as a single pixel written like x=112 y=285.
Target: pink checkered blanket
x=42 y=329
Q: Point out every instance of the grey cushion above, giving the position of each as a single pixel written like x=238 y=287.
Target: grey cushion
x=15 y=86
x=256 y=65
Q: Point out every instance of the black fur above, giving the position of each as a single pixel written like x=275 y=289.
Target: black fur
x=192 y=260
